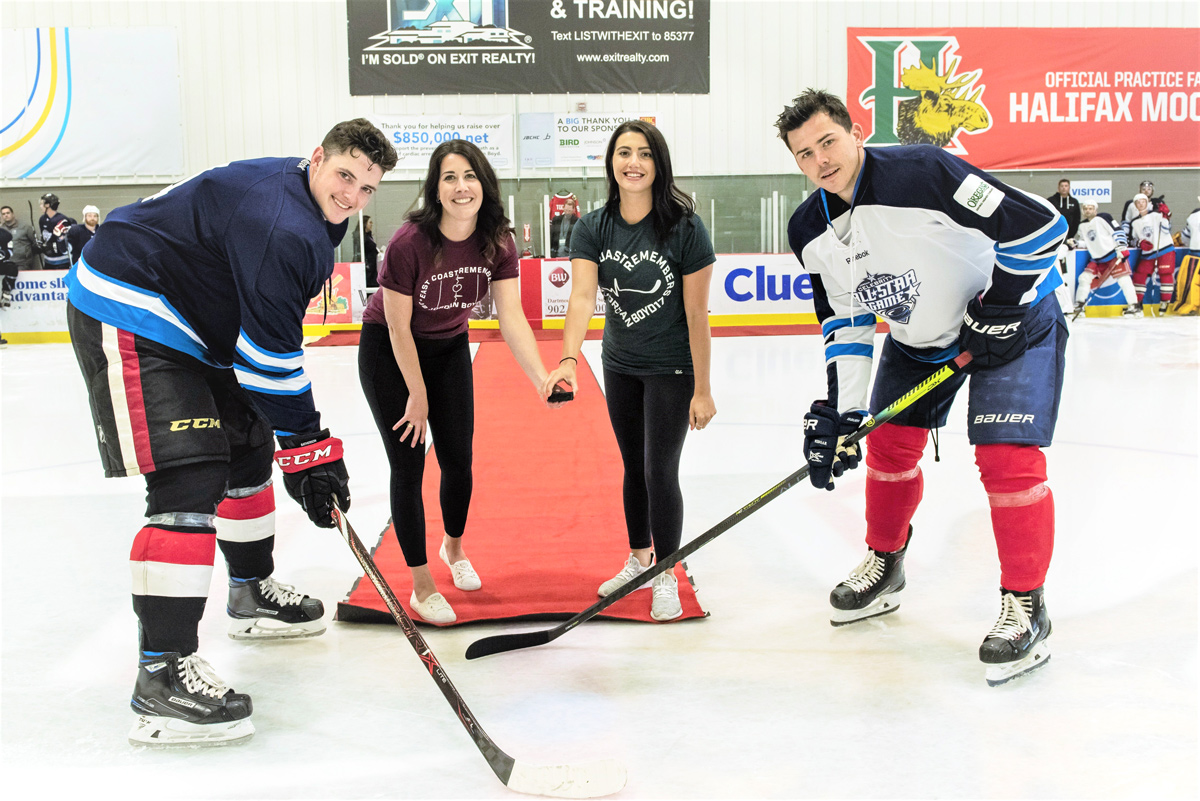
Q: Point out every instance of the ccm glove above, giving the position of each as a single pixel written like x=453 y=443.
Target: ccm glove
x=993 y=335
x=313 y=471
x=824 y=434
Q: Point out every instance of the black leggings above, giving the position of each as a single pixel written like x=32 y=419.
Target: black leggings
x=446 y=369
x=649 y=415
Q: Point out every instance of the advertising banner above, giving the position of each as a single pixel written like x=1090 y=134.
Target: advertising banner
x=556 y=289
x=409 y=47
x=89 y=102
x=336 y=307
x=1031 y=98
x=416 y=137
x=760 y=288
x=39 y=308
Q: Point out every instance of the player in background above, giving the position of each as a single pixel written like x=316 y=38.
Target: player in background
x=953 y=260
x=1105 y=243
x=80 y=234
x=185 y=312
x=1150 y=232
x=53 y=227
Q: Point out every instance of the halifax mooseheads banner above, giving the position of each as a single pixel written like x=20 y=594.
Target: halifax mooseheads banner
x=1031 y=98
x=432 y=47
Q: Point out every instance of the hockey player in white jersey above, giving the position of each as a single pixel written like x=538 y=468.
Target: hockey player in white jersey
x=952 y=260
x=1150 y=233
x=1105 y=242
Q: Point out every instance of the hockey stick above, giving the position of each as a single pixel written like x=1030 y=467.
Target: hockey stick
x=587 y=780
x=1112 y=266
x=511 y=642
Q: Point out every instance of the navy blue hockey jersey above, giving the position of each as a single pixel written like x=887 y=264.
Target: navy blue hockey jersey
x=220 y=266
x=926 y=232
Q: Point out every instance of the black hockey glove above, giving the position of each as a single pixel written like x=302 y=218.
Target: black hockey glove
x=824 y=433
x=993 y=335
x=313 y=471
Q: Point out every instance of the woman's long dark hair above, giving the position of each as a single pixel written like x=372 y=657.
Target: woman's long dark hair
x=492 y=224
x=670 y=203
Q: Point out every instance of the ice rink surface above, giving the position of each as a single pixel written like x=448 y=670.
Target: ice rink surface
x=764 y=699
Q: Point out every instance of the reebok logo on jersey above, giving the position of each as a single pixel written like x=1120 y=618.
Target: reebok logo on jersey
x=978 y=195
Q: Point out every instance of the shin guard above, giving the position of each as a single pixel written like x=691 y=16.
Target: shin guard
x=894 y=483
x=1022 y=512
x=246 y=531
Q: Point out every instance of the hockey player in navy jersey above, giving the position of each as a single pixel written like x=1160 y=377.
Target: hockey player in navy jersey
x=952 y=260
x=186 y=312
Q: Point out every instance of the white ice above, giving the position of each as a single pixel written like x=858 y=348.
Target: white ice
x=764 y=699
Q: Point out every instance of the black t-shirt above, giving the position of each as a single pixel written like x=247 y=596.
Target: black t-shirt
x=645 y=329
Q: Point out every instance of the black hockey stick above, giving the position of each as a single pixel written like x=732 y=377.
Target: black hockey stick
x=511 y=642
x=588 y=780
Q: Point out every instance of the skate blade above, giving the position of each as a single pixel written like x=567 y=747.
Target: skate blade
x=160 y=732
x=999 y=674
x=880 y=606
x=259 y=628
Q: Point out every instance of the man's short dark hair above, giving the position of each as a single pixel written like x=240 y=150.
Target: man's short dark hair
x=1064 y=180
x=10 y=208
x=359 y=134
x=808 y=104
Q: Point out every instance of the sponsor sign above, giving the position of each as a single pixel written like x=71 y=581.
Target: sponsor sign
x=1030 y=98
x=337 y=308
x=556 y=289
x=763 y=286
x=1098 y=192
x=39 y=304
x=413 y=47
x=416 y=137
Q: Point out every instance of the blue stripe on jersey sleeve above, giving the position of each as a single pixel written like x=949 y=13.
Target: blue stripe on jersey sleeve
x=836 y=323
x=1018 y=264
x=1046 y=238
x=265 y=361
x=296 y=383
x=849 y=349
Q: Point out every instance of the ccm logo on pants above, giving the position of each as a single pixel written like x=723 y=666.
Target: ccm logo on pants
x=1003 y=418
x=198 y=422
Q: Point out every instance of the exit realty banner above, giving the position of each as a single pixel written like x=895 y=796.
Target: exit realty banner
x=1031 y=98
x=431 y=47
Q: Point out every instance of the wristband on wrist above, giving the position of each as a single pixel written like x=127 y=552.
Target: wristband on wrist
x=572 y=358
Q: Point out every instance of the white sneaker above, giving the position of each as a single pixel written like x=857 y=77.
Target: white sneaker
x=465 y=577
x=633 y=568
x=435 y=608
x=665 y=605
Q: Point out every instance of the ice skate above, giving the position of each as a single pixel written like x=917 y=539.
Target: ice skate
x=264 y=609
x=1017 y=643
x=872 y=589
x=1132 y=310
x=181 y=701
x=632 y=569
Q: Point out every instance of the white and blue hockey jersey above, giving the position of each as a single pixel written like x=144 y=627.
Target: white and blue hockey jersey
x=1102 y=237
x=222 y=267
x=926 y=232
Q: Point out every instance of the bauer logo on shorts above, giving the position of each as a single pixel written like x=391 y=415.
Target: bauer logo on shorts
x=892 y=297
x=978 y=195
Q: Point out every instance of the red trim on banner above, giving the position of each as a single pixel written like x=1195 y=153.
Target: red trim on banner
x=131 y=377
x=1030 y=98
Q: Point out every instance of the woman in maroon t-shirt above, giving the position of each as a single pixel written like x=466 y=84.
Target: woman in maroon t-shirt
x=414 y=359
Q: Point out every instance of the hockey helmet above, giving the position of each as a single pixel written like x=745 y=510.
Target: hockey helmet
x=51 y=200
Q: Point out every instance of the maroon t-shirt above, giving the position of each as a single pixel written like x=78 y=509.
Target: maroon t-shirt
x=443 y=296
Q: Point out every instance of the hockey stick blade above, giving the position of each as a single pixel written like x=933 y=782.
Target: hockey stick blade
x=586 y=780
x=500 y=643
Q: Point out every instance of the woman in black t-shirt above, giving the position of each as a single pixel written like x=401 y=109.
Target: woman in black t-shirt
x=649 y=253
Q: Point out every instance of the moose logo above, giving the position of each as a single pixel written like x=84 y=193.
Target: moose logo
x=918 y=97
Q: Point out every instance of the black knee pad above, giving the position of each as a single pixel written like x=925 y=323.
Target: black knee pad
x=196 y=487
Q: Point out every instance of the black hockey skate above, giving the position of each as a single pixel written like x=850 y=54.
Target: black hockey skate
x=264 y=609
x=182 y=701
x=1017 y=643
x=872 y=589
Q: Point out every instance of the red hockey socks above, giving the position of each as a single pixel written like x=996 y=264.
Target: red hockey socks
x=246 y=533
x=894 y=483
x=1022 y=512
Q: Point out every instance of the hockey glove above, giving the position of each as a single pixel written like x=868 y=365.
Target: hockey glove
x=993 y=335
x=824 y=434
x=313 y=471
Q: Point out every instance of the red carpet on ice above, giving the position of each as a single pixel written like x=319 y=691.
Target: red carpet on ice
x=546 y=526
